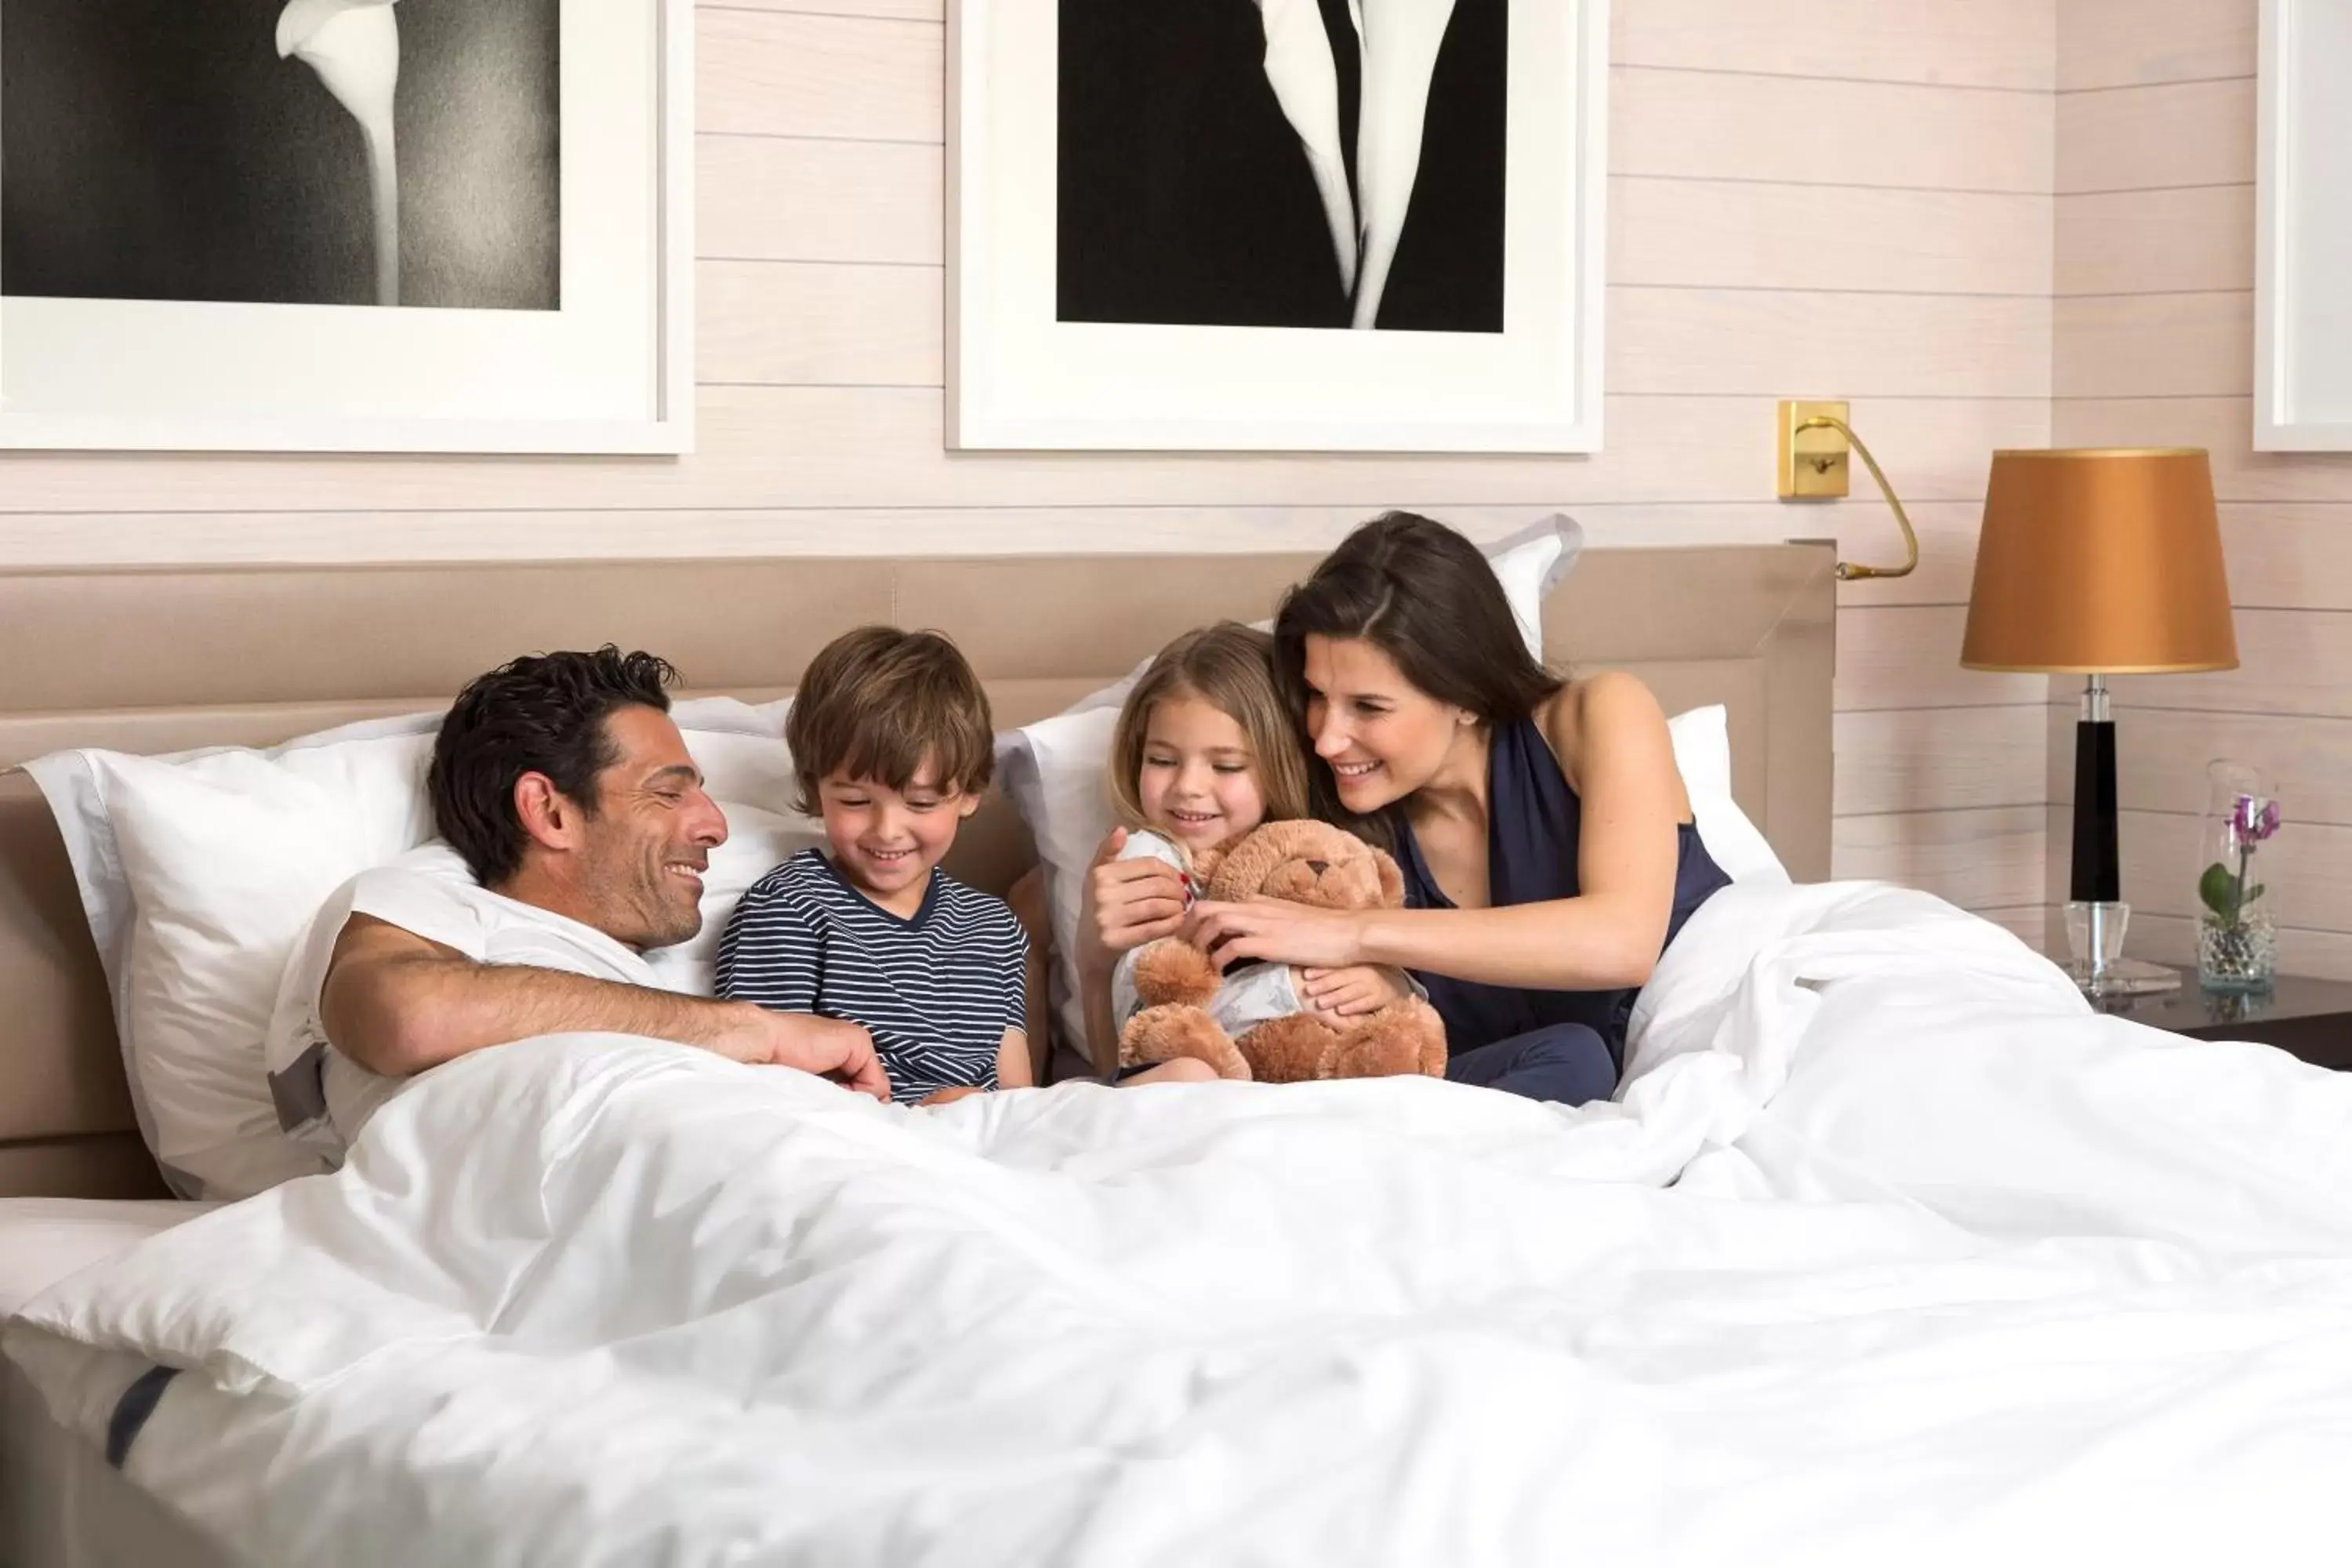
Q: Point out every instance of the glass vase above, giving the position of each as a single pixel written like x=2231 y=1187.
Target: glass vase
x=2237 y=932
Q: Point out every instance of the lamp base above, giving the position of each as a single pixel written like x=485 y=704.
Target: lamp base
x=2094 y=942
x=2123 y=977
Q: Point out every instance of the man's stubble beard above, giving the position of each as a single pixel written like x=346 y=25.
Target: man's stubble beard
x=634 y=907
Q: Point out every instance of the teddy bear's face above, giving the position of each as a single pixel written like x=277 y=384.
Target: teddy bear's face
x=1350 y=884
x=1309 y=863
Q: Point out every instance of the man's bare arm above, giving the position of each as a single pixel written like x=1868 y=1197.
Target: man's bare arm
x=397 y=1004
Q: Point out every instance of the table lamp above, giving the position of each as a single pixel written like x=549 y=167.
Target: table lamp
x=2100 y=561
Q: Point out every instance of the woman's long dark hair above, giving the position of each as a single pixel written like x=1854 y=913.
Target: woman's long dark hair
x=1424 y=596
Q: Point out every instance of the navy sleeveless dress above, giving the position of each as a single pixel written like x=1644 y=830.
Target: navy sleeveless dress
x=1565 y=1046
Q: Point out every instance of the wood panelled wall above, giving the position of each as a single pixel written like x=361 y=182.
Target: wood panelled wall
x=1830 y=198
x=2155 y=308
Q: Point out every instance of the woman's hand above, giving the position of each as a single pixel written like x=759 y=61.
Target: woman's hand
x=1278 y=932
x=1129 y=902
x=1352 y=992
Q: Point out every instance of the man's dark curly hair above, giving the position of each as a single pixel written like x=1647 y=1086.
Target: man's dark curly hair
x=543 y=713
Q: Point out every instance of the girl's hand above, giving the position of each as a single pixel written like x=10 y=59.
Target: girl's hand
x=949 y=1096
x=1129 y=902
x=1278 y=933
x=1354 y=991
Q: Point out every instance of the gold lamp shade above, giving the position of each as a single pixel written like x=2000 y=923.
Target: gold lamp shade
x=2100 y=561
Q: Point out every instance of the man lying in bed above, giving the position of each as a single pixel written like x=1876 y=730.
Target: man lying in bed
x=569 y=793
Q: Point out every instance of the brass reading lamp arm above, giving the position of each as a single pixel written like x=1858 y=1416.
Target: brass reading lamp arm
x=1847 y=570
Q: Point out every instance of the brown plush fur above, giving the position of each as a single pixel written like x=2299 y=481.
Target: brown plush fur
x=1309 y=863
x=1175 y=971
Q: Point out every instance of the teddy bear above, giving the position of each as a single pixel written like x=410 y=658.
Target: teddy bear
x=1254 y=1023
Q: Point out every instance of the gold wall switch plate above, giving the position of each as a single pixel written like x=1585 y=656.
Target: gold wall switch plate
x=1813 y=463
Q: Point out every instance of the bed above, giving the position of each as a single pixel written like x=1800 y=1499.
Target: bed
x=61 y=1505
x=1890 y=1250
x=154 y=661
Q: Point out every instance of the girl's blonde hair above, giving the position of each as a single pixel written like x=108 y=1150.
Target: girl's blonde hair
x=1230 y=667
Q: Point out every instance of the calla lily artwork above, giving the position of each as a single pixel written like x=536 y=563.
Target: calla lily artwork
x=1400 y=40
x=1396 y=44
x=357 y=153
x=1306 y=163
x=351 y=225
x=1277 y=226
x=354 y=45
x=1300 y=69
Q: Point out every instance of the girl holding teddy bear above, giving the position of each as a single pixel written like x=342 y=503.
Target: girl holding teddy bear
x=1546 y=837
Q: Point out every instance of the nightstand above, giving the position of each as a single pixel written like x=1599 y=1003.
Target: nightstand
x=2307 y=1018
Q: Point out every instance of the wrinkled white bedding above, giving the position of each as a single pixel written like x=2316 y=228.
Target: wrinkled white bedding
x=1891 y=1252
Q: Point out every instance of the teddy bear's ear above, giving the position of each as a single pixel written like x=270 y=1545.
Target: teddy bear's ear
x=1391 y=878
x=1203 y=863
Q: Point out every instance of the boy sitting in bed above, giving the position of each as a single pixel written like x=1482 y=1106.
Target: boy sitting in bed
x=893 y=740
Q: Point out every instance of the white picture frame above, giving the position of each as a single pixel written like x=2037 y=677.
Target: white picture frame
x=2302 y=231
x=610 y=370
x=1020 y=379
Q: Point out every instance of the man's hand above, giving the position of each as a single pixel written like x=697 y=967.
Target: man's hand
x=397 y=1004
x=830 y=1047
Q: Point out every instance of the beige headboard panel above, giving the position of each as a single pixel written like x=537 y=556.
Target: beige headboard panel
x=160 y=660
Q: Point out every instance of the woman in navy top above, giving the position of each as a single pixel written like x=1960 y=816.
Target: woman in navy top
x=1545 y=836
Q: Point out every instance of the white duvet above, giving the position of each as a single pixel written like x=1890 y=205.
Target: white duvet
x=1892 y=1253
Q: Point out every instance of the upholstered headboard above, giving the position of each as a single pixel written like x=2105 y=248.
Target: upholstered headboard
x=162 y=660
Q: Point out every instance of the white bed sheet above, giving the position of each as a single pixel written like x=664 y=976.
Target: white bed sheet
x=1890 y=1251
x=61 y=1505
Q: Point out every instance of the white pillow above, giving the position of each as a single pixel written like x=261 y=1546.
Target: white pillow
x=1702 y=741
x=199 y=872
x=75 y=800
x=1058 y=776
x=1055 y=769
x=223 y=859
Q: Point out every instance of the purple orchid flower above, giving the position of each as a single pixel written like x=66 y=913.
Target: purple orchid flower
x=2254 y=819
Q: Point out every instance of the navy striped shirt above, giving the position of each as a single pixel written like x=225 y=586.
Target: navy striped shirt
x=936 y=991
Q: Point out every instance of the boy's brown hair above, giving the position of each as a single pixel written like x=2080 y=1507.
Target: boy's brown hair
x=877 y=703
x=1231 y=668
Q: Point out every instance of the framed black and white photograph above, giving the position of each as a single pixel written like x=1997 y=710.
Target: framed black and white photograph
x=346 y=224
x=2302 y=228
x=1277 y=224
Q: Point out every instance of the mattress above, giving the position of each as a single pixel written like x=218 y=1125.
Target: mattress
x=61 y=1506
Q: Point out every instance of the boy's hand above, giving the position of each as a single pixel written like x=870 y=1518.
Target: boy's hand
x=1354 y=991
